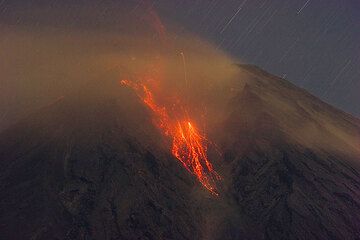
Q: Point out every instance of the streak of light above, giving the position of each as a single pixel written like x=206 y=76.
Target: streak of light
x=233 y=17
x=337 y=76
x=184 y=67
x=289 y=49
x=307 y=2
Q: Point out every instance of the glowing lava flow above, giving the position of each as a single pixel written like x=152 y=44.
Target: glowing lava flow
x=188 y=145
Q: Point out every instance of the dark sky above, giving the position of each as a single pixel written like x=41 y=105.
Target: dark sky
x=313 y=43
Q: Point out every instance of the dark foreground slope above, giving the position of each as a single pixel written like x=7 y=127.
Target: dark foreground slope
x=91 y=167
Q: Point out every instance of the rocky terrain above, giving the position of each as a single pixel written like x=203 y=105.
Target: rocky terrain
x=89 y=166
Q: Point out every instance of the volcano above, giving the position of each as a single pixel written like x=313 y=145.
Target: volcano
x=92 y=165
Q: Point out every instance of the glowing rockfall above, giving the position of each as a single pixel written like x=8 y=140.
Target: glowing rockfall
x=189 y=146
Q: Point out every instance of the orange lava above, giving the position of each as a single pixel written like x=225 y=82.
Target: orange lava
x=189 y=146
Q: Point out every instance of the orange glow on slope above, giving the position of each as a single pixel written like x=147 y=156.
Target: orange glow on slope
x=189 y=146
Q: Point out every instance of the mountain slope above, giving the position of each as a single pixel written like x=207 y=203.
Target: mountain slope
x=92 y=166
x=293 y=161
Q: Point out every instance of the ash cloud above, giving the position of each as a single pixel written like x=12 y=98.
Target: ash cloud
x=47 y=57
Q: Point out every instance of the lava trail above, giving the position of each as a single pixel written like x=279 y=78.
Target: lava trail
x=189 y=146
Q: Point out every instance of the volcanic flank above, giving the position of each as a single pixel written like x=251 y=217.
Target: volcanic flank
x=93 y=165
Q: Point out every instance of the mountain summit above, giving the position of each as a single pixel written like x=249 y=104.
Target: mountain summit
x=93 y=166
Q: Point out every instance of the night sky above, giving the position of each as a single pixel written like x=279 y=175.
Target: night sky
x=313 y=43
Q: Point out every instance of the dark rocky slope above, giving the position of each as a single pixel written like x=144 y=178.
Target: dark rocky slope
x=91 y=167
